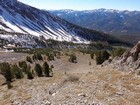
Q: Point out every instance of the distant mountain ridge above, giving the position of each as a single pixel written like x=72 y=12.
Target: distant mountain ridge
x=110 y=21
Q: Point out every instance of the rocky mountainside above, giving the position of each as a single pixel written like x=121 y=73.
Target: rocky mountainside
x=22 y=21
x=132 y=58
x=129 y=61
x=107 y=20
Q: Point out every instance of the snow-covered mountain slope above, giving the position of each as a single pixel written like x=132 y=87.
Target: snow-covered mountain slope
x=17 y=18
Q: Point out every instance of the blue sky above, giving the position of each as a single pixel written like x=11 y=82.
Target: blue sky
x=84 y=4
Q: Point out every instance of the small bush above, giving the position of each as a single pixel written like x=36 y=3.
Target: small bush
x=51 y=72
x=29 y=75
x=52 y=66
x=9 y=86
x=118 y=52
x=50 y=57
x=73 y=58
x=89 y=63
x=29 y=59
x=92 y=55
x=66 y=54
x=101 y=56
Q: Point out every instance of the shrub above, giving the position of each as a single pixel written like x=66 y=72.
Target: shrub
x=51 y=72
x=29 y=59
x=38 y=70
x=29 y=75
x=92 y=55
x=52 y=66
x=50 y=57
x=5 y=70
x=9 y=86
x=37 y=56
x=17 y=71
x=89 y=63
x=73 y=58
x=23 y=65
x=118 y=52
x=66 y=54
x=101 y=56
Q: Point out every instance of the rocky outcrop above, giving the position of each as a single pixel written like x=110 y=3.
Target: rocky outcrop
x=129 y=61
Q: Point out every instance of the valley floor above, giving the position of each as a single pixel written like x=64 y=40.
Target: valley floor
x=75 y=84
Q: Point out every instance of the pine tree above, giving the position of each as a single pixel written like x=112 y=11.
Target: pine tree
x=29 y=74
x=101 y=56
x=98 y=58
x=17 y=71
x=37 y=56
x=5 y=70
x=105 y=55
x=23 y=65
x=46 y=69
x=38 y=70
